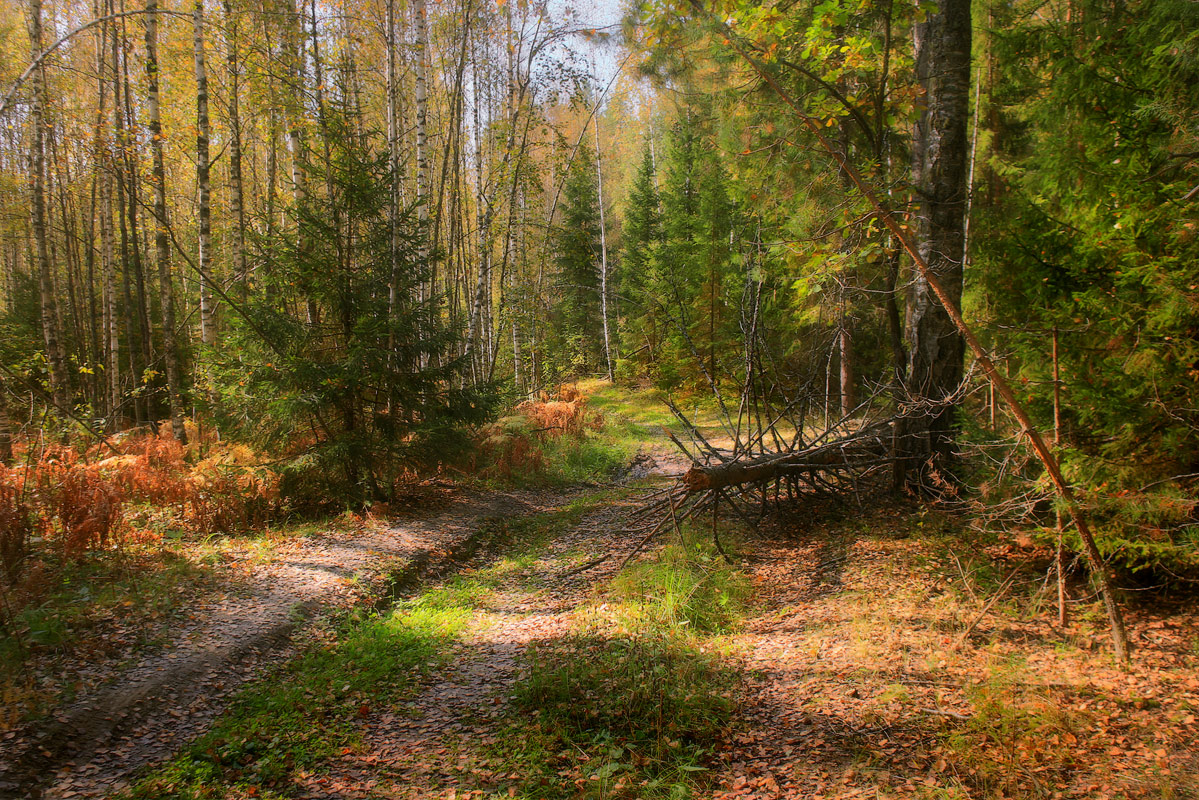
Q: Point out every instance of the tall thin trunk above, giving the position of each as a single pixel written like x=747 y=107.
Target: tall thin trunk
x=422 y=140
x=293 y=40
x=849 y=400
x=136 y=304
x=393 y=163
x=162 y=247
x=1060 y=554
x=203 y=186
x=599 y=174
x=59 y=382
x=482 y=224
x=111 y=344
x=237 y=200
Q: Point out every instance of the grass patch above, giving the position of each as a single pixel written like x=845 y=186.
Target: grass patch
x=645 y=407
x=688 y=585
x=594 y=459
x=523 y=541
x=308 y=712
x=518 y=451
x=84 y=595
x=621 y=716
x=96 y=606
x=634 y=703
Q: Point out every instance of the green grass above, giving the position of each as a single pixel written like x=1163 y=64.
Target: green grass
x=616 y=714
x=305 y=714
x=88 y=592
x=523 y=542
x=686 y=586
x=594 y=459
x=640 y=405
x=517 y=455
x=633 y=703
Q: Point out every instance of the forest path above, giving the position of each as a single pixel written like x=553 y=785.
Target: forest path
x=431 y=746
x=151 y=708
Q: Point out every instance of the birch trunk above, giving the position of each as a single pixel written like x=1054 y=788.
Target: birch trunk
x=292 y=48
x=59 y=381
x=162 y=248
x=599 y=174
x=110 y=344
x=203 y=185
x=237 y=200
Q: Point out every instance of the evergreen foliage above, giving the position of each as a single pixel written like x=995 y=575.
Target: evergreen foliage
x=642 y=237
x=1082 y=230
x=364 y=380
x=577 y=258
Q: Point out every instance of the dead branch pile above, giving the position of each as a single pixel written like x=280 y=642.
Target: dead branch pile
x=831 y=466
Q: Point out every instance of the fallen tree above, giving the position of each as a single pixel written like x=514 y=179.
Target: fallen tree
x=851 y=456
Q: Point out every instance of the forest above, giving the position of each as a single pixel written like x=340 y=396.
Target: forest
x=653 y=399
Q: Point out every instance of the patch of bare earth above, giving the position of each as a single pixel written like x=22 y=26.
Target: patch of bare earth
x=150 y=708
x=858 y=683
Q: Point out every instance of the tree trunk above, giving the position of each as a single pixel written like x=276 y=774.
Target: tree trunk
x=110 y=345
x=203 y=186
x=422 y=138
x=237 y=200
x=293 y=38
x=393 y=155
x=939 y=155
x=849 y=399
x=6 y=454
x=59 y=381
x=599 y=175
x=162 y=247
x=482 y=221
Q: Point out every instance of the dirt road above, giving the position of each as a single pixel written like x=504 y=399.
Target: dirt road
x=152 y=707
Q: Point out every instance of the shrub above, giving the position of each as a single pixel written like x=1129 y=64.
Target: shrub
x=88 y=508
x=545 y=441
x=17 y=524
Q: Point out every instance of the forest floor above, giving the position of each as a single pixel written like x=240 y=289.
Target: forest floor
x=845 y=651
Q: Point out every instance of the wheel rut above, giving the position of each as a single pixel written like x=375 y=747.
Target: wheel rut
x=155 y=706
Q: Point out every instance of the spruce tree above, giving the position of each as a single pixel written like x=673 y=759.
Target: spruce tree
x=355 y=382
x=576 y=257
x=642 y=234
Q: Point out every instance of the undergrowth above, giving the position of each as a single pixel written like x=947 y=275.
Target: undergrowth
x=553 y=440
x=1018 y=742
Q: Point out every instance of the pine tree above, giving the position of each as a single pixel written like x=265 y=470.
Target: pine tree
x=356 y=380
x=576 y=256
x=642 y=235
